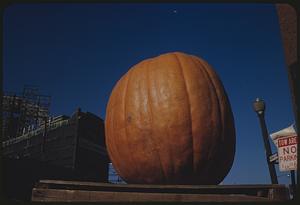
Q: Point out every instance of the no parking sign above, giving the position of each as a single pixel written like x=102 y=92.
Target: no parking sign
x=286 y=142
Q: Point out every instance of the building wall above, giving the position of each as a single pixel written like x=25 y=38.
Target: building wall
x=57 y=148
x=91 y=155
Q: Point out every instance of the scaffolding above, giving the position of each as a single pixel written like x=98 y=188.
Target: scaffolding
x=23 y=112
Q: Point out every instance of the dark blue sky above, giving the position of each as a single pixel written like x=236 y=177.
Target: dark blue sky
x=77 y=52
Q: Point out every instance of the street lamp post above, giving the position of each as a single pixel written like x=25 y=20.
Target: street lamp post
x=259 y=108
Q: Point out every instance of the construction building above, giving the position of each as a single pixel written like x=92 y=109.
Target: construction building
x=36 y=146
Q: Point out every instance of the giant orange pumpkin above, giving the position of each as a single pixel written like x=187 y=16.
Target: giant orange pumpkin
x=169 y=121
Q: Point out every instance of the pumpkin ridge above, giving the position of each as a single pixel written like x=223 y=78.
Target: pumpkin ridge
x=215 y=97
x=204 y=66
x=224 y=93
x=125 y=121
x=151 y=120
x=170 y=172
x=123 y=101
x=221 y=150
x=217 y=93
x=189 y=106
x=110 y=141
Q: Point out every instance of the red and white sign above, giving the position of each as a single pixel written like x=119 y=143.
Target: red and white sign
x=286 y=142
x=287 y=153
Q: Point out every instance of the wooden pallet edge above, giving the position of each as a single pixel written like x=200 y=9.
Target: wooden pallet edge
x=62 y=195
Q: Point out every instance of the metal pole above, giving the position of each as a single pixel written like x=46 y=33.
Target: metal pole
x=293 y=181
x=259 y=108
x=265 y=136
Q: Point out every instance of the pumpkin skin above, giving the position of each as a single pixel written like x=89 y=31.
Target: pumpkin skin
x=169 y=121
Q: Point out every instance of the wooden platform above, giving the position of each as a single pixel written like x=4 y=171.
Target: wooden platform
x=71 y=191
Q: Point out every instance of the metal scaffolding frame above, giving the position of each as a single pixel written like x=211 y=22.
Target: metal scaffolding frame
x=23 y=112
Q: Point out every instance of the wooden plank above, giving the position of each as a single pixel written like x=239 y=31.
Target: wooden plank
x=59 y=195
x=57 y=188
x=145 y=186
